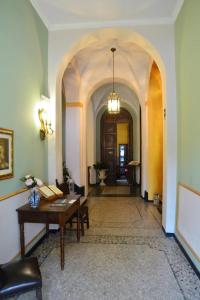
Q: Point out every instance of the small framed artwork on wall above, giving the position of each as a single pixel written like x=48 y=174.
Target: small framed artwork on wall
x=6 y=153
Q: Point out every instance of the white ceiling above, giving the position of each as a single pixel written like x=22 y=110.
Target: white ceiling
x=61 y=14
x=93 y=65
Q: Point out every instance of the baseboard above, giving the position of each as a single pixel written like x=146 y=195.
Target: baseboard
x=183 y=251
x=187 y=256
x=39 y=242
x=150 y=201
x=167 y=234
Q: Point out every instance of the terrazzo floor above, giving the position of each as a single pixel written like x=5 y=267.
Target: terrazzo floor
x=116 y=190
x=123 y=255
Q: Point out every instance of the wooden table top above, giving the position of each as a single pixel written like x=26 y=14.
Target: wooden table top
x=49 y=206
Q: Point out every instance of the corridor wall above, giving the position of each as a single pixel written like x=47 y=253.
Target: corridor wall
x=23 y=78
x=187 y=44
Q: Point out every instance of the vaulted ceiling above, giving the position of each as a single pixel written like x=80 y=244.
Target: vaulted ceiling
x=93 y=66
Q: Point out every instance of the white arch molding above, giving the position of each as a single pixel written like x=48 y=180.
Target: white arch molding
x=169 y=102
x=128 y=105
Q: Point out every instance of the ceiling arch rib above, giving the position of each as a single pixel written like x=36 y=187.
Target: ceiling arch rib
x=93 y=64
x=71 y=82
x=128 y=96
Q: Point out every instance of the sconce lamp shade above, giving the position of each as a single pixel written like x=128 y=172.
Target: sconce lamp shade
x=44 y=117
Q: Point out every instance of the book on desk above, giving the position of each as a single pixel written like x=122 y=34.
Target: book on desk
x=50 y=192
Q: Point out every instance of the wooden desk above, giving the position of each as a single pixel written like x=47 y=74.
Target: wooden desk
x=48 y=214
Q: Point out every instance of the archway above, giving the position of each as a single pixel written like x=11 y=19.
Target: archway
x=97 y=106
x=169 y=172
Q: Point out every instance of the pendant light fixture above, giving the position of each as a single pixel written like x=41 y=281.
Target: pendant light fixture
x=113 y=98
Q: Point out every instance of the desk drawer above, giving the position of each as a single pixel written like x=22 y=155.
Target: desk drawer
x=42 y=217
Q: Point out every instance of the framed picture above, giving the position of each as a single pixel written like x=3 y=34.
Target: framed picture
x=6 y=153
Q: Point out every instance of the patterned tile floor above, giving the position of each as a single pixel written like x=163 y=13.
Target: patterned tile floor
x=116 y=190
x=113 y=191
x=125 y=244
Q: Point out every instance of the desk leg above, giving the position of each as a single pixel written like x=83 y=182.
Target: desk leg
x=62 y=249
x=47 y=229
x=22 y=244
x=78 y=225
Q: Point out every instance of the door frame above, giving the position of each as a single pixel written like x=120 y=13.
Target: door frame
x=123 y=117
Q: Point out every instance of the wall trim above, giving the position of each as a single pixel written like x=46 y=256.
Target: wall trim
x=188 y=187
x=187 y=256
x=12 y=194
x=113 y=23
x=73 y=104
x=170 y=235
x=187 y=244
x=167 y=234
x=30 y=245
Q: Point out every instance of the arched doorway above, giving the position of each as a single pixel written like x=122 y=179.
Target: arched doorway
x=116 y=143
x=168 y=81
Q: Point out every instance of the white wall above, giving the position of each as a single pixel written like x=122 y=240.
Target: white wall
x=91 y=135
x=188 y=222
x=9 y=227
x=73 y=142
x=158 y=41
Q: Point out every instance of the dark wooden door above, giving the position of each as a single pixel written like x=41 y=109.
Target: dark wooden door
x=108 y=147
x=109 y=141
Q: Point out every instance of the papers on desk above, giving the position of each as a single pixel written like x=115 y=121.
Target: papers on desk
x=62 y=202
x=71 y=201
x=134 y=163
x=59 y=202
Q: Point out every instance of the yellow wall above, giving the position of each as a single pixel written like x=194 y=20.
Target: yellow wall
x=155 y=133
x=122 y=135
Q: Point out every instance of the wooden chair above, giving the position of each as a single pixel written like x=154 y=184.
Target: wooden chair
x=20 y=277
x=84 y=215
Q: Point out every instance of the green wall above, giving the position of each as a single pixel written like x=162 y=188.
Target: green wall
x=187 y=41
x=23 y=77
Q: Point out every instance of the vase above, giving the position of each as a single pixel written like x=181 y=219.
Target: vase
x=102 y=176
x=71 y=186
x=34 y=198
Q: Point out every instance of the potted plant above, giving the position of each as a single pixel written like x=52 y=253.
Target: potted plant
x=65 y=172
x=101 y=169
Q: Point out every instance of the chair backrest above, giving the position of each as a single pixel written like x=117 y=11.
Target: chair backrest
x=79 y=190
x=65 y=189
x=1 y=277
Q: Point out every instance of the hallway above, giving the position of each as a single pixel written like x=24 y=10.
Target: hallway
x=74 y=61
x=124 y=255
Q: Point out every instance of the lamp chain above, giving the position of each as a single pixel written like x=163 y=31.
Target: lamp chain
x=113 y=51
x=113 y=72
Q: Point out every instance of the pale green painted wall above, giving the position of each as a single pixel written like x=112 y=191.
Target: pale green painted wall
x=187 y=41
x=23 y=77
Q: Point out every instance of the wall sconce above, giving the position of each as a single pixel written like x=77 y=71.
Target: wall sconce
x=44 y=117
